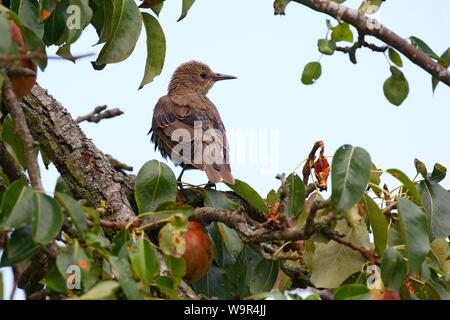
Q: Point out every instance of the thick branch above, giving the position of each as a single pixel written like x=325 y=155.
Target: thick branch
x=20 y=122
x=370 y=26
x=86 y=169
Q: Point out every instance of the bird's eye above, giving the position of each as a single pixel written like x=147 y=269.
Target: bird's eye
x=203 y=75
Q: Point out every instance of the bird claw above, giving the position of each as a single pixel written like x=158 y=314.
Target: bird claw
x=210 y=185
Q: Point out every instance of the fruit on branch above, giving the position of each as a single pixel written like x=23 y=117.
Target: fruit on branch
x=21 y=84
x=199 y=251
x=384 y=294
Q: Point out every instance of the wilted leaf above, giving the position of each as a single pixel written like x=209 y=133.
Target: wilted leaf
x=326 y=46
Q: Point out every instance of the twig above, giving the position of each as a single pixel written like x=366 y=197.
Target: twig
x=117 y=165
x=41 y=56
x=99 y=114
x=15 y=109
x=15 y=71
x=370 y=26
x=364 y=252
x=9 y=166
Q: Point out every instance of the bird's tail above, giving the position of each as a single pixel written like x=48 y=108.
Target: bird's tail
x=217 y=173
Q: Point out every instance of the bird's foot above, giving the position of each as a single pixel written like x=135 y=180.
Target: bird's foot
x=210 y=185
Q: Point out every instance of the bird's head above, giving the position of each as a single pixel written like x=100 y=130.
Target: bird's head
x=194 y=76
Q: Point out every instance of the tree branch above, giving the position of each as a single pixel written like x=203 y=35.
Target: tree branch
x=20 y=122
x=369 y=26
x=85 y=169
x=99 y=114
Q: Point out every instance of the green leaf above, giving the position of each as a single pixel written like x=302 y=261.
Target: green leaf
x=352 y=292
x=350 y=172
x=214 y=284
x=272 y=198
x=295 y=199
x=144 y=261
x=107 y=8
x=230 y=238
x=47 y=219
x=342 y=32
x=20 y=247
x=55 y=25
x=156 y=48
x=393 y=269
x=104 y=290
x=171 y=241
x=311 y=72
x=62 y=187
x=28 y=13
x=326 y=46
x=333 y=263
x=396 y=87
x=424 y=47
x=441 y=250
x=125 y=29
x=187 y=4
x=17 y=206
x=123 y=273
x=421 y=168
x=395 y=57
x=55 y=281
x=438 y=174
x=264 y=276
x=407 y=183
x=436 y=201
x=155 y=184
x=10 y=136
x=177 y=268
x=76 y=213
x=34 y=43
x=249 y=194
x=5 y=39
x=218 y=200
x=414 y=230
x=378 y=222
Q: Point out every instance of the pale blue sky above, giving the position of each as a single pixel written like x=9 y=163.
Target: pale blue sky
x=267 y=53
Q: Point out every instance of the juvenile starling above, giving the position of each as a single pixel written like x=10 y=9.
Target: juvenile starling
x=186 y=125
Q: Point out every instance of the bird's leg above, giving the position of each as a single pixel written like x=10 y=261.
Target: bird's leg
x=179 y=183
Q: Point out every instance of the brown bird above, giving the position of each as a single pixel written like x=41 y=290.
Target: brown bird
x=187 y=127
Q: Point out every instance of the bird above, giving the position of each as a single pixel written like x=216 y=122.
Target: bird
x=187 y=127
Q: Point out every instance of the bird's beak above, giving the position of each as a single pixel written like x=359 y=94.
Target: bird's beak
x=219 y=76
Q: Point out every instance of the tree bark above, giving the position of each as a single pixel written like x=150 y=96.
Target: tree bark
x=85 y=168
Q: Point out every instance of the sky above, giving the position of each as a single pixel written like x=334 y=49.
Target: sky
x=272 y=119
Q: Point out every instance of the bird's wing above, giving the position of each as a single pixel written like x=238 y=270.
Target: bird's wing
x=189 y=130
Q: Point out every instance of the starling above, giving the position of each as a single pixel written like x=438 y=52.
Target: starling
x=187 y=127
